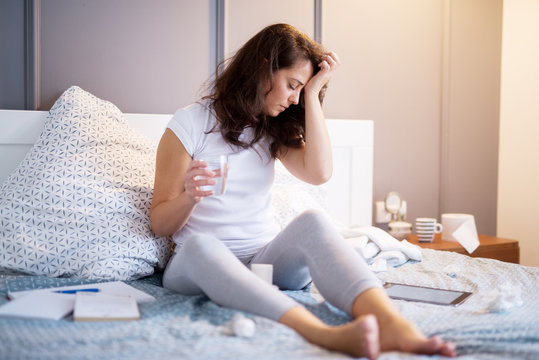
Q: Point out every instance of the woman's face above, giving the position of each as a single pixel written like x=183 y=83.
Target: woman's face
x=287 y=85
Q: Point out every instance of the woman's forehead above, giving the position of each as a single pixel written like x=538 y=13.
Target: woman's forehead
x=301 y=71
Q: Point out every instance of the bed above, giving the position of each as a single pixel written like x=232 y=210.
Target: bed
x=76 y=186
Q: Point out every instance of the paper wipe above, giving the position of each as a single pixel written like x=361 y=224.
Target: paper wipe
x=504 y=298
x=243 y=326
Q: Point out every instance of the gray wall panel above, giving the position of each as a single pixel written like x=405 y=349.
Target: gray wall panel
x=12 y=65
x=244 y=18
x=145 y=56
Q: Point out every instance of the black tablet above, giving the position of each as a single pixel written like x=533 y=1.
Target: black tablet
x=426 y=294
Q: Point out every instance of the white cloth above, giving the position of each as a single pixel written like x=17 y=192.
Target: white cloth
x=379 y=248
x=241 y=218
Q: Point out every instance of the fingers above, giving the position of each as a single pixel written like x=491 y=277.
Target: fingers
x=330 y=61
x=198 y=175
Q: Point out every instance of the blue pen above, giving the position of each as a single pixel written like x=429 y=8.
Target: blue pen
x=74 y=291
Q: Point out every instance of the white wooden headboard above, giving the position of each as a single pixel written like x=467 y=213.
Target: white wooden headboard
x=349 y=190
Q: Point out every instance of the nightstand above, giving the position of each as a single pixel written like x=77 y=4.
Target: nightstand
x=489 y=247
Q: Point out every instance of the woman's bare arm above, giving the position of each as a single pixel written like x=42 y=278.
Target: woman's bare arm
x=176 y=192
x=313 y=163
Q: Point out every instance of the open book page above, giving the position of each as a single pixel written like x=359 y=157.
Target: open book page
x=104 y=307
x=39 y=305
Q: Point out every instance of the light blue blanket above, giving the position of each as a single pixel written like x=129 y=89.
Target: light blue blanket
x=182 y=327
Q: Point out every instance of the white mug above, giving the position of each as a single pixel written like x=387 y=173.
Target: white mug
x=425 y=229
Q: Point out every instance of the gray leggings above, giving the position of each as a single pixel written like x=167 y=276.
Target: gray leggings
x=308 y=246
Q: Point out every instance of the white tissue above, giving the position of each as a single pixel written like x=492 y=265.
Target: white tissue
x=504 y=298
x=242 y=326
x=461 y=228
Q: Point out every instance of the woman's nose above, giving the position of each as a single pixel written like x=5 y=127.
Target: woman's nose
x=294 y=98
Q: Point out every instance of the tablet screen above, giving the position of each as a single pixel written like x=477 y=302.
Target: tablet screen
x=425 y=294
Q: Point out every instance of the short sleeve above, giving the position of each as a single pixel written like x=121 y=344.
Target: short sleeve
x=185 y=128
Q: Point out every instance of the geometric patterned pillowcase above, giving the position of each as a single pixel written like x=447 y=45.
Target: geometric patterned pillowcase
x=292 y=196
x=78 y=204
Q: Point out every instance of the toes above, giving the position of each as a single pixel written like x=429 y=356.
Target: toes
x=435 y=345
x=448 y=349
x=369 y=328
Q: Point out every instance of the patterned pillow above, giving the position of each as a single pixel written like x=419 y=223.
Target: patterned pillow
x=77 y=205
x=292 y=196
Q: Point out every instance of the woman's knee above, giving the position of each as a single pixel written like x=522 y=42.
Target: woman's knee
x=313 y=226
x=315 y=219
x=194 y=252
x=202 y=246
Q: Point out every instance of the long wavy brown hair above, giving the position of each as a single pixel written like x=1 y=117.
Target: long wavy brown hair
x=238 y=91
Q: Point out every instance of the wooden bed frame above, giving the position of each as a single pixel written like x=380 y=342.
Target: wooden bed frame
x=349 y=191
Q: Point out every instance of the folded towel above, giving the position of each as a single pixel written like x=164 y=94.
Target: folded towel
x=379 y=248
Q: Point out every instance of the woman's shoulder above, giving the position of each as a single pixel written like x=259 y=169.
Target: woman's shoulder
x=198 y=114
x=198 y=108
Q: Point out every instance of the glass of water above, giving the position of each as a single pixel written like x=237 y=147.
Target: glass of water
x=219 y=165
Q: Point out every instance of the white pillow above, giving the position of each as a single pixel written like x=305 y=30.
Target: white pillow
x=292 y=196
x=78 y=203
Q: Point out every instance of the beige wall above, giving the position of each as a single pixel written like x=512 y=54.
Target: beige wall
x=470 y=112
x=518 y=185
x=427 y=73
x=391 y=61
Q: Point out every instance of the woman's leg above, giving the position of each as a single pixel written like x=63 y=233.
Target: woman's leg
x=204 y=265
x=311 y=244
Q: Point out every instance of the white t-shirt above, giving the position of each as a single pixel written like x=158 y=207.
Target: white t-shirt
x=242 y=217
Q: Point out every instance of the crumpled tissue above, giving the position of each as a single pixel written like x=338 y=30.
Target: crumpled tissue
x=504 y=298
x=240 y=326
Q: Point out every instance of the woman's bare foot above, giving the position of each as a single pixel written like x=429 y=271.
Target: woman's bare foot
x=401 y=335
x=396 y=332
x=358 y=338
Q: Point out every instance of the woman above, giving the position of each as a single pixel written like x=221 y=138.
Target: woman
x=266 y=105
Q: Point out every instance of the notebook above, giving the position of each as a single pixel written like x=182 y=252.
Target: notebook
x=101 y=306
x=55 y=303
x=112 y=288
x=39 y=305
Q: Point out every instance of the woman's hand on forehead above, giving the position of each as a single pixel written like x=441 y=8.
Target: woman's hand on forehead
x=330 y=62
